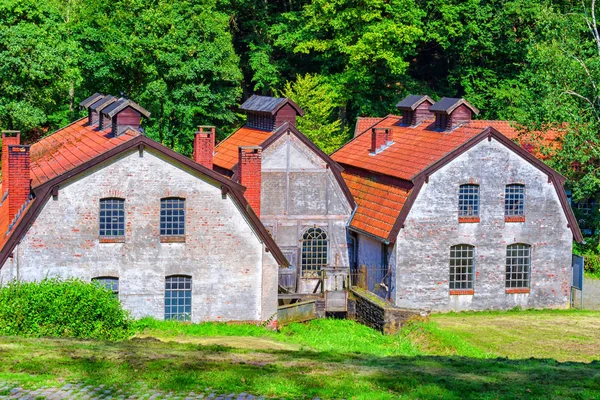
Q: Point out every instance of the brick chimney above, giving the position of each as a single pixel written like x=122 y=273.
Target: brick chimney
x=204 y=146
x=452 y=112
x=19 y=179
x=380 y=139
x=9 y=138
x=250 y=174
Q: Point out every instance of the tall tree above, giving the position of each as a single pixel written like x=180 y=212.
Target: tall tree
x=38 y=66
x=319 y=102
x=361 y=48
x=174 y=57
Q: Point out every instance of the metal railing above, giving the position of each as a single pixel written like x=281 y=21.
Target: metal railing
x=376 y=280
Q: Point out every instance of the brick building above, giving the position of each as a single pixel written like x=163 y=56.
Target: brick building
x=453 y=214
x=98 y=200
x=296 y=189
x=430 y=210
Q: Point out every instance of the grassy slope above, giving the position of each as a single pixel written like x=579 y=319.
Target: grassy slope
x=326 y=358
x=563 y=335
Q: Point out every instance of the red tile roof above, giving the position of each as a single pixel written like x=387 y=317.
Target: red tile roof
x=226 y=152
x=415 y=148
x=364 y=123
x=379 y=204
x=70 y=147
x=378 y=182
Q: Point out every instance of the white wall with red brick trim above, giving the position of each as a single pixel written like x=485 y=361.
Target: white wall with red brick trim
x=233 y=277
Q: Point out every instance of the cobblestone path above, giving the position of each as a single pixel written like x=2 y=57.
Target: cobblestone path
x=85 y=392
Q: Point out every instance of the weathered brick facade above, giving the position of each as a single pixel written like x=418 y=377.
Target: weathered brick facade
x=234 y=277
x=300 y=191
x=423 y=245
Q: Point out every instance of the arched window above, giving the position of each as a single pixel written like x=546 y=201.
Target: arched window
x=461 y=267
x=315 y=245
x=468 y=200
x=178 y=297
x=112 y=217
x=518 y=265
x=172 y=217
x=514 y=200
x=109 y=283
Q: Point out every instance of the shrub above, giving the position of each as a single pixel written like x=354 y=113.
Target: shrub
x=70 y=308
x=591 y=263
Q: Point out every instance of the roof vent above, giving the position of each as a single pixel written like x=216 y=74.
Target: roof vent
x=122 y=115
x=415 y=109
x=268 y=113
x=452 y=112
x=96 y=107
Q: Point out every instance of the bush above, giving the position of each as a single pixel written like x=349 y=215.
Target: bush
x=57 y=308
x=591 y=263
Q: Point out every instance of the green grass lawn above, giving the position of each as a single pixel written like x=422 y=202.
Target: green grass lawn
x=456 y=356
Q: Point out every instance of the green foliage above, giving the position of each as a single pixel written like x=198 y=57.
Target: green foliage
x=38 y=66
x=173 y=57
x=319 y=101
x=71 y=308
x=360 y=48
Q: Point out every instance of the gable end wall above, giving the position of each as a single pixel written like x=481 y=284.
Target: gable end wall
x=233 y=277
x=431 y=228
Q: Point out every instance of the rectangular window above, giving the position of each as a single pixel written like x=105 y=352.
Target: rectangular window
x=514 y=201
x=172 y=217
x=108 y=283
x=178 y=298
x=518 y=263
x=112 y=217
x=461 y=267
x=468 y=201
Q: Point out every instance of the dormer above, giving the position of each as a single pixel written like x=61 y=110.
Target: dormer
x=268 y=113
x=123 y=114
x=95 y=109
x=415 y=109
x=452 y=112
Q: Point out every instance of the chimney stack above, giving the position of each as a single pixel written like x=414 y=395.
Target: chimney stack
x=9 y=138
x=19 y=179
x=250 y=174
x=204 y=146
x=380 y=139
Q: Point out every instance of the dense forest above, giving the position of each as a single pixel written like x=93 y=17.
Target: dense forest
x=191 y=62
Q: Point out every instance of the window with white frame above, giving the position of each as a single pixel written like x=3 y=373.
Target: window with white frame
x=315 y=250
x=178 y=298
x=112 y=217
x=518 y=265
x=461 y=267
x=468 y=200
x=514 y=200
